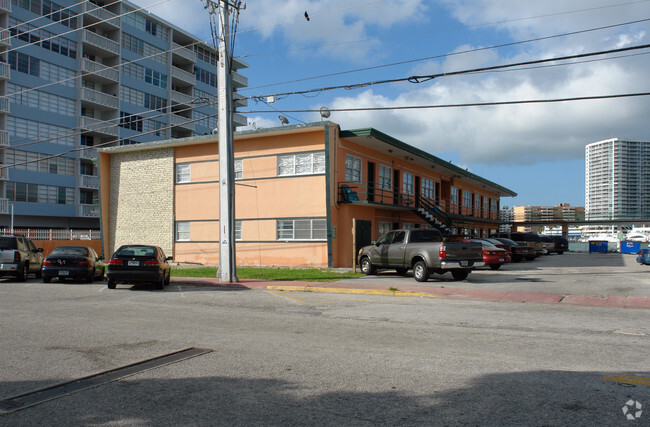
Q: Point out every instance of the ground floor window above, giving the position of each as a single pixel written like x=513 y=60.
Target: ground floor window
x=301 y=229
x=182 y=231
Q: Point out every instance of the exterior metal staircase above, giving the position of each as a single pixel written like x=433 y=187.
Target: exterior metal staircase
x=431 y=213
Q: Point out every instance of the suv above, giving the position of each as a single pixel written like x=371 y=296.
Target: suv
x=19 y=257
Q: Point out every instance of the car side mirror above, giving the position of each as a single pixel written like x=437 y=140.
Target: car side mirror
x=169 y=258
x=39 y=250
x=374 y=242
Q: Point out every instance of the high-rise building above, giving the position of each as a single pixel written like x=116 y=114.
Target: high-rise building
x=75 y=76
x=617 y=180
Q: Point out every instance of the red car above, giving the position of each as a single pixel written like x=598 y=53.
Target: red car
x=493 y=256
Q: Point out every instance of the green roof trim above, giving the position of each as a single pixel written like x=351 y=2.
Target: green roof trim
x=374 y=133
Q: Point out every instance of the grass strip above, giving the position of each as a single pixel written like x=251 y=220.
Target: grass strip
x=288 y=274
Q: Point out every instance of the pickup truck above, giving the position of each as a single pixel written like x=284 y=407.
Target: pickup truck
x=424 y=251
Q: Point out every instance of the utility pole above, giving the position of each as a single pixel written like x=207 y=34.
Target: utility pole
x=227 y=261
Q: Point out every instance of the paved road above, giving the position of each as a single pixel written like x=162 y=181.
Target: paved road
x=296 y=358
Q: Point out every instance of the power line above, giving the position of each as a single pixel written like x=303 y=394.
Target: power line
x=464 y=105
x=425 y=78
x=429 y=58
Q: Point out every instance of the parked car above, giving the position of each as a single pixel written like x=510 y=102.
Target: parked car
x=561 y=244
x=493 y=256
x=422 y=250
x=517 y=251
x=644 y=257
x=548 y=244
x=73 y=262
x=139 y=264
x=526 y=239
x=19 y=257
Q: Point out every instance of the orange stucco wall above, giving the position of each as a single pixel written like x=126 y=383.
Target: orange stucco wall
x=261 y=198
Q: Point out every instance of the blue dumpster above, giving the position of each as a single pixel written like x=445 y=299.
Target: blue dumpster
x=597 y=246
x=630 y=247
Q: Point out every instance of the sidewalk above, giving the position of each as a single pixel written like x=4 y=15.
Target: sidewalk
x=601 y=280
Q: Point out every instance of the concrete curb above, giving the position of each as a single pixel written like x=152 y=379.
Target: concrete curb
x=639 y=302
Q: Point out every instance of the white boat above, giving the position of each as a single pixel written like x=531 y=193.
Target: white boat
x=610 y=238
x=641 y=234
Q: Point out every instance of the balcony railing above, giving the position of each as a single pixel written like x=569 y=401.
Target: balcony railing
x=5 y=6
x=183 y=52
x=4 y=173
x=100 y=98
x=369 y=194
x=99 y=126
x=88 y=181
x=100 y=42
x=4 y=206
x=239 y=81
x=88 y=211
x=181 y=98
x=183 y=76
x=100 y=71
x=5 y=71
x=5 y=38
x=88 y=153
x=4 y=138
x=180 y=121
x=106 y=17
x=4 y=105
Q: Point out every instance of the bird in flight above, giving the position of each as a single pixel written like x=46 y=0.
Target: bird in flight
x=306 y=16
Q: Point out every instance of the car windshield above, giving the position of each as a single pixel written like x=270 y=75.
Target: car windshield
x=70 y=250
x=508 y=242
x=486 y=244
x=139 y=251
x=7 y=243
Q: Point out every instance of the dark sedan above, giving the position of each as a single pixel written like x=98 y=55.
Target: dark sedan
x=517 y=250
x=139 y=264
x=73 y=262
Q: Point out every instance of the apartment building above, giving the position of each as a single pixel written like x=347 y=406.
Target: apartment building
x=557 y=213
x=305 y=195
x=617 y=180
x=78 y=76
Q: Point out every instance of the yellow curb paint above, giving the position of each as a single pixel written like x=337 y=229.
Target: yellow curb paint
x=627 y=379
x=351 y=291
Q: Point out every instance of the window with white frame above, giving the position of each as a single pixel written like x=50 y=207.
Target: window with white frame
x=467 y=199
x=239 y=169
x=477 y=202
x=183 y=174
x=385 y=227
x=352 y=169
x=182 y=231
x=407 y=184
x=238 y=230
x=454 y=195
x=301 y=164
x=494 y=206
x=301 y=229
x=385 y=177
x=428 y=188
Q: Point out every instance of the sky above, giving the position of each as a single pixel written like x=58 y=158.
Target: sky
x=536 y=150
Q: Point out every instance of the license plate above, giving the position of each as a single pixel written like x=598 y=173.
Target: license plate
x=501 y=260
x=64 y=273
x=134 y=263
x=464 y=263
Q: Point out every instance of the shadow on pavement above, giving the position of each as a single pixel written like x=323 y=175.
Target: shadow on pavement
x=525 y=398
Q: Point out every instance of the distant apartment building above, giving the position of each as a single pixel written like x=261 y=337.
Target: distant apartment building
x=78 y=76
x=617 y=180
x=560 y=212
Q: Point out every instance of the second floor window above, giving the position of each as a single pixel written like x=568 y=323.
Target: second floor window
x=407 y=185
x=301 y=164
x=352 y=169
x=385 y=177
x=428 y=188
x=183 y=174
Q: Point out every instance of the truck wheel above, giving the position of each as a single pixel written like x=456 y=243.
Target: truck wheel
x=460 y=274
x=420 y=271
x=367 y=267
